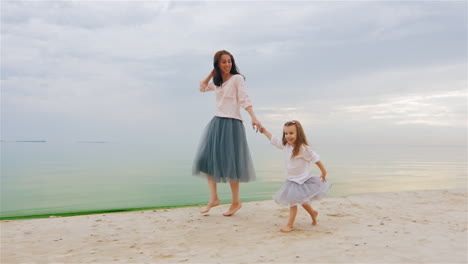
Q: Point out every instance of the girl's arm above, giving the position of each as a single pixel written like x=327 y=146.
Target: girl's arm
x=324 y=171
x=273 y=140
x=266 y=133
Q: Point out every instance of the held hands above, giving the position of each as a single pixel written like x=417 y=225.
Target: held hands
x=256 y=125
x=265 y=132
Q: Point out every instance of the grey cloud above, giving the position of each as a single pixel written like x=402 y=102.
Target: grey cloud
x=83 y=14
x=149 y=56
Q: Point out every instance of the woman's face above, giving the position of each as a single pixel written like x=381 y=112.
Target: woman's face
x=225 y=64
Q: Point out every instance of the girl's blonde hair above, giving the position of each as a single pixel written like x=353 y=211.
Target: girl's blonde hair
x=300 y=137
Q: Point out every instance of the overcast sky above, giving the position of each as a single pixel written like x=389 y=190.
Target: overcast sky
x=363 y=72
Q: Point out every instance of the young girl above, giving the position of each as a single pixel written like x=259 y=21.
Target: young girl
x=300 y=187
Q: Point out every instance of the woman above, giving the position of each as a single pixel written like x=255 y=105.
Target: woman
x=223 y=154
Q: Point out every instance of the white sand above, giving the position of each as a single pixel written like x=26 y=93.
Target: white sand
x=406 y=227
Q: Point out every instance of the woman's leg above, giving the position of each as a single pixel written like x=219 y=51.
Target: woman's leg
x=214 y=200
x=292 y=216
x=236 y=203
x=312 y=212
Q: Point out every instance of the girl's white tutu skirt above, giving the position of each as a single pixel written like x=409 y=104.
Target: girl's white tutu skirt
x=293 y=193
x=223 y=152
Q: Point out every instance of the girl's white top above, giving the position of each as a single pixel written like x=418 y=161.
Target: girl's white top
x=230 y=96
x=298 y=168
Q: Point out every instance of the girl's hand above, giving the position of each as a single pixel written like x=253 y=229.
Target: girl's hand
x=265 y=132
x=256 y=125
x=212 y=73
x=323 y=176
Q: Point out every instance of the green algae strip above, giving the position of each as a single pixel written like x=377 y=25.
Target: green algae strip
x=104 y=211
x=107 y=211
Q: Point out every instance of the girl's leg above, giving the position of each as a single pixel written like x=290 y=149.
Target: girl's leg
x=312 y=212
x=236 y=204
x=214 y=200
x=292 y=216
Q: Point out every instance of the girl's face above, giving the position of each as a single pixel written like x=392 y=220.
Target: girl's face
x=225 y=64
x=290 y=134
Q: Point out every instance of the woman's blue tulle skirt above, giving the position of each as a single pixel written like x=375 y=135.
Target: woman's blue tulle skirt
x=223 y=152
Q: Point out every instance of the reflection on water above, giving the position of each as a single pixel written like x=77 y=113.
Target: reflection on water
x=48 y=178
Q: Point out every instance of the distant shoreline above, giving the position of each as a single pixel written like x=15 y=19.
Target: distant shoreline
x=25 y=141
x=45 y=141
x=99 y=142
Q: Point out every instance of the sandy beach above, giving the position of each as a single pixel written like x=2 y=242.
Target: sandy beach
x=404 y=227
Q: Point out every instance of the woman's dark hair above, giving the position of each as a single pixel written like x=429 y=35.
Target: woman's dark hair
x=218 y=77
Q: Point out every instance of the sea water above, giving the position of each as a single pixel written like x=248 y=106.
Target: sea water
x=41 y=178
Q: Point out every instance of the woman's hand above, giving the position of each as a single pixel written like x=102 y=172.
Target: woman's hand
x=256 y=125
x=208 y=78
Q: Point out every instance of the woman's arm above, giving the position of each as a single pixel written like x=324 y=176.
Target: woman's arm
x=204 y=83
x=244 y=101
x=324 y=171
x=208 y=78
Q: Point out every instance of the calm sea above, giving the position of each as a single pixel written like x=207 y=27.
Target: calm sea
x=52 y=178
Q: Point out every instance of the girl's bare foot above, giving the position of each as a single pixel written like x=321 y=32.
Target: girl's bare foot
x=210 y=205
x=287 y=229
x=314 y=217
x=233 y=209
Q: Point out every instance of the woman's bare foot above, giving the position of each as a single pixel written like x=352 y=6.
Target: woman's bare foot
x=314 y=217
x=233 y=209
x=210 y=205
x=286 y=229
